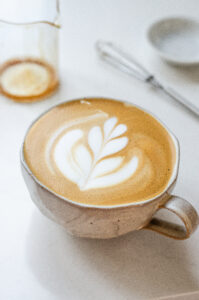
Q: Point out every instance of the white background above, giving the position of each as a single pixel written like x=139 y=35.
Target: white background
x=38 y=260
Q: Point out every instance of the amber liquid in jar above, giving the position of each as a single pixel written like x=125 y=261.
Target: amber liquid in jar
x=27 y=80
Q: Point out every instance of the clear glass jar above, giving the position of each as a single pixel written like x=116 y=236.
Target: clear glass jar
x=29 y=49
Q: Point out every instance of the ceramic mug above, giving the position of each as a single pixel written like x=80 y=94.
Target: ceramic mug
x=112 y=221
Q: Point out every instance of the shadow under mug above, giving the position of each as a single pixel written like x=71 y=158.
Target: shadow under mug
x=111 y=221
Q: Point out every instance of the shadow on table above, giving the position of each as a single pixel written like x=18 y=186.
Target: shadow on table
x=139 y=265
x=189 y=73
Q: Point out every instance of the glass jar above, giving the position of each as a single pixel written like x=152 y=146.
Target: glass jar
x=29 y=49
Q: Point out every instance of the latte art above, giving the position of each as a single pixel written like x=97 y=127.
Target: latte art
x=100 y=152
x=91 y=165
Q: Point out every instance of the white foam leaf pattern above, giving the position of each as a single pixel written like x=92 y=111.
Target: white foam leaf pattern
x=114 y=146
x=107 y=165
x=90 y=165
x=109 y=125
x=95 y=140
x=63 y=155
x=110 y=179
x=119 y=130
x=84 y=164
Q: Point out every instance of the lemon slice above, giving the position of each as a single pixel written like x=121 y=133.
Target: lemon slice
x=26 y=79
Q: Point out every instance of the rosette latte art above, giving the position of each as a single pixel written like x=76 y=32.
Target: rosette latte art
x=100 y=152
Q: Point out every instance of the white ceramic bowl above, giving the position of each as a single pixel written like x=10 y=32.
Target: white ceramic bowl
x=176 y=40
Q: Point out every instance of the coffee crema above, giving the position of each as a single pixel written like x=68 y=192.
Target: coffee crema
x=100 y=152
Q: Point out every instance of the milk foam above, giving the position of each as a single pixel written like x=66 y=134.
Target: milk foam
x=85 y=158
x=100 y=152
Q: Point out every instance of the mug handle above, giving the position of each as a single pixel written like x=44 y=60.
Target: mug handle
x=185 y=211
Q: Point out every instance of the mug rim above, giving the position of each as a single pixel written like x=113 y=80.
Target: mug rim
x=104 y=207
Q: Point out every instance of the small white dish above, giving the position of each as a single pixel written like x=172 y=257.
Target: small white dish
x=176 y=40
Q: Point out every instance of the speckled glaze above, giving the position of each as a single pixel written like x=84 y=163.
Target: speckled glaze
x=90 y=221
x=111 y=221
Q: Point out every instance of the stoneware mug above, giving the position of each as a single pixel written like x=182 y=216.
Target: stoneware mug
x=112 y=221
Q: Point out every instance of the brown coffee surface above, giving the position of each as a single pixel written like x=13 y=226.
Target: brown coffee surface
x=100 y=152
x=27 y=80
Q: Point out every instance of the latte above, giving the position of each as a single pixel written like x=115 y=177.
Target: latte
x=100 y=152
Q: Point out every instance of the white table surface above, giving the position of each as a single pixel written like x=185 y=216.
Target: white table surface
x=38 y=259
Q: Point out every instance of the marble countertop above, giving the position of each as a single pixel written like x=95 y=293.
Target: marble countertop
x=38 y=259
